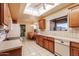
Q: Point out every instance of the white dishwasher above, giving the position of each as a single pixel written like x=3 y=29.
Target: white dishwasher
x=61 y=47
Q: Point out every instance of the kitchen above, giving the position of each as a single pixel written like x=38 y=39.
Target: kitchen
x=55 y=30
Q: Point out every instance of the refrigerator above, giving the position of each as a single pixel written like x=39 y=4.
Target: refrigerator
x=14 y=30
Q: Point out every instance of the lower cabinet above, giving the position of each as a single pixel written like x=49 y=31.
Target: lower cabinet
x=31 y=35
x=39 y=40
x=45 y=42
x=14 y=52
x=74 y=49
x=51 y=46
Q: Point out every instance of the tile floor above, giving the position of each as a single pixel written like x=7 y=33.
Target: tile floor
x=30 y=48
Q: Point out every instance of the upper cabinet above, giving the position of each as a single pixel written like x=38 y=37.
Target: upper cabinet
x=41 y=24
x=1 y=13
x=73 y=17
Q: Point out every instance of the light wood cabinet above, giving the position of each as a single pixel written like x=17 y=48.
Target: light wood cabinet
x=74 y=49
x=73 y=17
x=41 y=24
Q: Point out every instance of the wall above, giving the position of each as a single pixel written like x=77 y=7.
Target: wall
x=60 y=13
x=29 y=28
x=7 y=15
x=14 y=10
x=72 y=32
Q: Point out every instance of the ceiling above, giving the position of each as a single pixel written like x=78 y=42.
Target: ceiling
x=17 y=9
x=38 y=5
x=14 y=10
x=37 y=9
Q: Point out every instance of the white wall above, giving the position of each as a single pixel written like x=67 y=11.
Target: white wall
x=63 y=12
x=72 y=32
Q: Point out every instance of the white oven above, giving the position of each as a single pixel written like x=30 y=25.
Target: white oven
x=61 y=47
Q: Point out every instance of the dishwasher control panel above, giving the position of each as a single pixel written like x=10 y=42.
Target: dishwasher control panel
x=62 y=42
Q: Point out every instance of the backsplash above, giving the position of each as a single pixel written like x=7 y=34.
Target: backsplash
x=72 y=33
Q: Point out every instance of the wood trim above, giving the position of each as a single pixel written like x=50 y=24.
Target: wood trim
x=72 y=6
x=1 y=13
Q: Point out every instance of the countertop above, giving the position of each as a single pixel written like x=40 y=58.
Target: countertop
x=60 y=37
x=10 y=45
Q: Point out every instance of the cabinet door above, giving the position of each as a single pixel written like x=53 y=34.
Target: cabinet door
x=74 y=17
x=42 y=24
x=74 y=51
x=41 y=41
x=51 y=46
x=46 y=43
x=37 y=39
x=74 y=48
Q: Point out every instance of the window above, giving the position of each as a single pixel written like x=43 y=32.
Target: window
x=59 y=24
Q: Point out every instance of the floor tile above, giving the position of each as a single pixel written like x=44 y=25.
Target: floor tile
x=30 y=48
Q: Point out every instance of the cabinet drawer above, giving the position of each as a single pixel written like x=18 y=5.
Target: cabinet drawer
x=74 y=44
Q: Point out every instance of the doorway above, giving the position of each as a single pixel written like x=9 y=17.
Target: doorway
x=23 y=30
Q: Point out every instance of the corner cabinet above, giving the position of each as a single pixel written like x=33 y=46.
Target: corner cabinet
x=41 y=23
x=73 y=17
x=74 y=49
